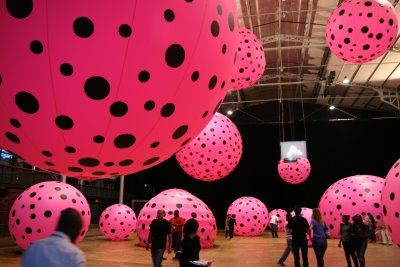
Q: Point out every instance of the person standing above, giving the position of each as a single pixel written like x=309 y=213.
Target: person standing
x=346 y=241
x=160 y=230
x=288 y=248
x=359 y=234
x=228 y=216
x=58 y=249
x=232 y=223
x=273 y=223
x=177 y=223
x=384 y=235
x=319 y=235
x=300 y=228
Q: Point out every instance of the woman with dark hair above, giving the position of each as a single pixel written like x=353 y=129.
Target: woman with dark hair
x=359 y=234
x=288 y=248
x=346 y=241
x=320 y=234
x=191 y=246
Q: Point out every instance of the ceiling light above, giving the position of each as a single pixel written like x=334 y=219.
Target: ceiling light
x=229 y=112
x=331 y=107
x=346 y=80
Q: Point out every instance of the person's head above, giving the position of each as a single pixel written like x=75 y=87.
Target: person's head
x=190 y=227
x=297 y=210
x=176 y=213
x=357 y=219
x=288 y=216
x=70 y=223
x=160 y=214
x=346 y=218
x=316 y=215
x=233 y=216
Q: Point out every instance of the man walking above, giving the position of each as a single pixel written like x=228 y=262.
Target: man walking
x=273 y=223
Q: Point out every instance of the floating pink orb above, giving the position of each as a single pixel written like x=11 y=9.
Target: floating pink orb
x=360 y=31
x=282 y=218
x=188 y=205
x=117 y=222
x=97 y=90
x=391 y=202
x=294 y=172
x=251 y=216
x=250 y=61
x=35 y=213
x=353 y=195
x=214 y=153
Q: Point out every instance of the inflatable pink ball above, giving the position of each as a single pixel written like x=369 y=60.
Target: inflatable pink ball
x=93 y=94
x=250 y=61
x=35 y=213
x=360 y=31
x=189 y=207
x=282 y=218
x=251 y=216
x=117 y=222
x=391 y=202
x=353 y=195
x=214 y=153
x=294 y=172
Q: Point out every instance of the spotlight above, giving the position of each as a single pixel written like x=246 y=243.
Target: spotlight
x=332 y=107
x=346 y=80
x=229 y=112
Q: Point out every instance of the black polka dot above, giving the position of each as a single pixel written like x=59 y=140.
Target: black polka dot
x=126 y=162
x=194 y=215
x=150 y=161
x=369 y=15
x=391 y=196
x=149 y=105
x=97 y=88
x=391 y=22
x=70 y=149
x=224 y=49
x=175 y=55
x=205 y=114
x=341 y=12
x=98 y=173
x=379 y=36
x=12 y=137
x=167 y=110
x=26 y=102
x=33 y=194
x=144 y=76
x=66 y=69
x=47 y=214
x=124 y=141
x=231 y=22
x=19 y=9
x=57 y=188
x=368 y=3
x=178 y=205
x=88 y=162
x=219 y=8
x=186 y=141
x=169 y=15
x=28 y=230
x=118 y=109
x=180 y=131
x=364 y=29
x=213 y=82
x=339 y=207
x=215 y=28
x=15 y=123
x=49 y=163
x=125 y=30
x=377 y=205
x=36 y=47
x=109 y=164
x=83 y=27
x=195 y=76
x=346 y=40
x=64 y=122
x=366 y=47
x=155 y=144
x=63 y=196
x=98 y=139
x=47 y=153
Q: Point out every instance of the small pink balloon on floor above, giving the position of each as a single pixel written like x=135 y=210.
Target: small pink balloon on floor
x=353 y=195
x=250 y=61
x=294 y=172
x=35 y=213
x=117 y=222
x=360 y=31
x=391 y=202
x=214 y=153
x=106 y=88
x=251 y=216
x=189 y=207
x=282 y=218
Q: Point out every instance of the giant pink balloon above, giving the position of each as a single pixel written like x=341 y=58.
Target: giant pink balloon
x=294 y=172
x=251 y=216
x=360 y=31
x=250 y=61
x=282 y=218
x=117 y=222
x=188 y=205
x=391 y=202
x=35 y=213
x=353 y=195
x=100 y=89
x=214 y=153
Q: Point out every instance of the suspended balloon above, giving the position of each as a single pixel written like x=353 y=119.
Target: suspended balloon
x=294 y=172
x=117 y=222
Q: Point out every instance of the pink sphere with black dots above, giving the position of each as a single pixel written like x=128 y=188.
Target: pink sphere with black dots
x=294 y=172
x=189 y=207
x=282 y=218
x=250 y=61
x=360 y=31
x=117 y=222
x=35 y=213
x=391 y=202
x=251 y=216
x=353 y=195
x=214 y=153
x=106 y=88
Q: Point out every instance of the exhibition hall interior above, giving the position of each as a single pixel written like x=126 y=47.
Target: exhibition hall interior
x=245 y=120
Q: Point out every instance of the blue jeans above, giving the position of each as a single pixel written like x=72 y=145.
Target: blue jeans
x=156 y=255
x=287 y=251
x=176 y=242
x=304 y=252
x=320 y=245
